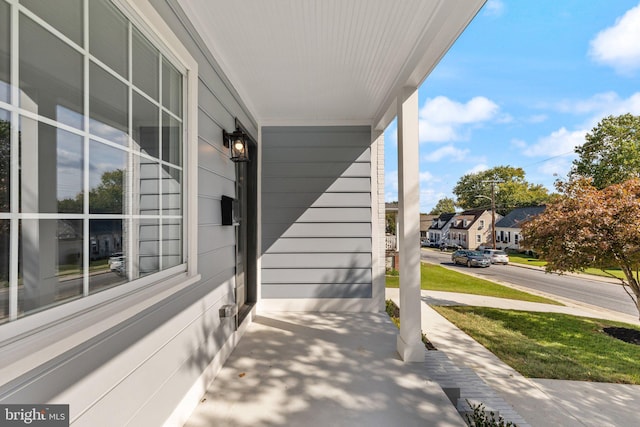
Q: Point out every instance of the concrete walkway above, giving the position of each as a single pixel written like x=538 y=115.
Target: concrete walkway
x=322 y=369
x=526 y=401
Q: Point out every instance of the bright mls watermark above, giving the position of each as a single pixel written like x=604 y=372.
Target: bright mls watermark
x=34 y=415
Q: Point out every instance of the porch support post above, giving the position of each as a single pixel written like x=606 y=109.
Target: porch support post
x=409 y=342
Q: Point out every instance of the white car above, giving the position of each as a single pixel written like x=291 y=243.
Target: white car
x=496 y=256
x=117 y=263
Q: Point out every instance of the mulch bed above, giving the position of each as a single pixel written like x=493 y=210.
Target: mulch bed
x=629 y=335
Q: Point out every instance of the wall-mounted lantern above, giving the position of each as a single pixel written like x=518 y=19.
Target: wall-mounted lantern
x=237 y=144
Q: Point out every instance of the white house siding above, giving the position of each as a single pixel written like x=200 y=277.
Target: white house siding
x=154 y=365
x=317 y=218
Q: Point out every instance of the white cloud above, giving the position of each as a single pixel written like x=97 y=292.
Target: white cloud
x=448 y=151
x=600 y=106
x=617 y=46
x=427 y=176
x=441 y=118
x=477 y=168
x=557 y=167
x=559 y=142
x=494 y=8
x=518 y=143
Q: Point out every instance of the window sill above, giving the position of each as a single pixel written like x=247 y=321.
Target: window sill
x=26 y=344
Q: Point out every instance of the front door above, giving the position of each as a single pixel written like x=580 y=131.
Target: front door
x=246 y=233
x=241 y=236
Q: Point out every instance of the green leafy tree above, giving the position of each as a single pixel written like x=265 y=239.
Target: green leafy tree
x=390 y=223
x=446 y=205
x=107 y=196
x=473 y=191
x=611 y=153
x=104 y=198
x=591 y=227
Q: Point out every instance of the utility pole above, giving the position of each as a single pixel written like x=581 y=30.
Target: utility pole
x=493 y=183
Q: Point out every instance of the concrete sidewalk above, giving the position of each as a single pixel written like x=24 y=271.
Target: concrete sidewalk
x=522 y=400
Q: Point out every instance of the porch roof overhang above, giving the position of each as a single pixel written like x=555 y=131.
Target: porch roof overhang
x=327 y=61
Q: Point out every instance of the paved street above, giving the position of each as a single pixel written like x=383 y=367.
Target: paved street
x=578 y=288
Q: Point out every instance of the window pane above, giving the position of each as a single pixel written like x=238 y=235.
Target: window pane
x=50 y=74
x=70 y=162
x=147 y=260
x=108 y=35
x=171 y=191
x=145 y=126
x=106 y=179
x=5 y=161
x=108 y=106
x=107 y=251
x=51 y=169
x=145 y=59
x=64 y=15
x=147 y=184
x=5 y=51
x=171 y=243
x=171 y=140
x=171 y=88
x=5 y=245
x=50 y=262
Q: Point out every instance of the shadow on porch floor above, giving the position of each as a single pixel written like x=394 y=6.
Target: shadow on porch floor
x=322 y=369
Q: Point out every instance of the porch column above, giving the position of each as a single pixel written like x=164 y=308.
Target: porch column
x=409 y=343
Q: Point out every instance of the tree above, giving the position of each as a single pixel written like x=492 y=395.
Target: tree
x=473 y=192
x=106 y=197
x=611 y=153
x=446 y=205
x=587 y=227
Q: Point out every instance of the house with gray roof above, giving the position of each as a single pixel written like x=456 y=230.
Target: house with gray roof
x=508 y=233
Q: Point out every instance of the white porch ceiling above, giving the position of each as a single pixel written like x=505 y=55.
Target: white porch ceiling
x=327 y=61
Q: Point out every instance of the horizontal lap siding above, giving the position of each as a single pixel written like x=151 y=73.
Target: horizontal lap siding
x=316 y=212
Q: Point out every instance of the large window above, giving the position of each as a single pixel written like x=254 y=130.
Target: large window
x=91 y=154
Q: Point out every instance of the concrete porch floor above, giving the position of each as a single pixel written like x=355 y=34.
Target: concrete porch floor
x=322 y=369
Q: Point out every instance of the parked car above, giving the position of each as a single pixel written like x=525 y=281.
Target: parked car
x=470 y=258
x=116 y=263
x=496 y=256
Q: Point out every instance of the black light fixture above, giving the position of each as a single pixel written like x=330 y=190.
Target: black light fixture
x=236 y=142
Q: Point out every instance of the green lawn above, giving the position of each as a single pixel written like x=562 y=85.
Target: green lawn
x=437 y=278
x=551 y=345
x=525 y=259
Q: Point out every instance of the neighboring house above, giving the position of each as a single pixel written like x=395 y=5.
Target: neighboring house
x=508 y=231
x=471 y=229
x=439 y=229
x=426 y=220
x=133 y=112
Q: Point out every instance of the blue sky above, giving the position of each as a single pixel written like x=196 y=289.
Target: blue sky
x=522 y=86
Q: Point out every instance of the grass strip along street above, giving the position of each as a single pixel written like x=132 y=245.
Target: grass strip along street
x=529 y=260
x=538 y=345
x=437 y=278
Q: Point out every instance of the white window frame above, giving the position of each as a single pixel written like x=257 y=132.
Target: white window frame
x=34 y=339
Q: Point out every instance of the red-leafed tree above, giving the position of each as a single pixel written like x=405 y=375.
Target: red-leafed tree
x=587 y=227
